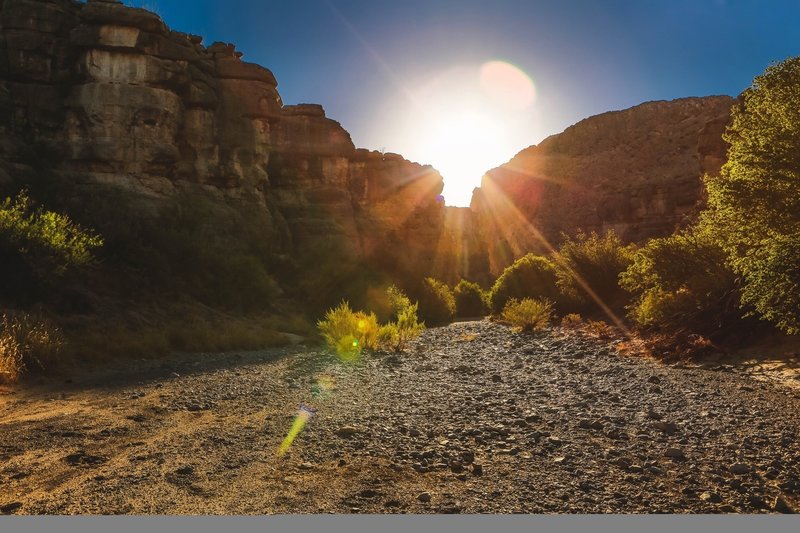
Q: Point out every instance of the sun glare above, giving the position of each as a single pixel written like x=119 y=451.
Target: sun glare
x=467 y=120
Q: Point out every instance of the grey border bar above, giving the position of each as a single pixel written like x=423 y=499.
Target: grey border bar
x=443 y=524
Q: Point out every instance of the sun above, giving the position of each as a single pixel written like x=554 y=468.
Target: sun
x=462 y=144
x=467 y=120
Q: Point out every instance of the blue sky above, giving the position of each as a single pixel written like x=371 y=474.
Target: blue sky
x=367 y=62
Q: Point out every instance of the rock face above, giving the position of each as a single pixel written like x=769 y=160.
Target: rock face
x=97 y=93
x=635 y=171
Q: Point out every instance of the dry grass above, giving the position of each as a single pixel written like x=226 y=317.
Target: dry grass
x=27 y=344
x=195 y=330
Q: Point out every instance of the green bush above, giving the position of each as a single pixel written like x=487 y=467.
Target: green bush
x=528 y=314
x=470 y=299
x=349 y=332
x=37 y=246
x=681 y=280
x=531 y=276
x=593 y=263
x=406 y=326
x=437 y=304
x=754 y=204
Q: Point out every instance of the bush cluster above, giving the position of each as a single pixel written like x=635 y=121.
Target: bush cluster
x=349 y=332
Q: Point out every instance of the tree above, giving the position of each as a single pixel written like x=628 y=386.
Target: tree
x=754 y=204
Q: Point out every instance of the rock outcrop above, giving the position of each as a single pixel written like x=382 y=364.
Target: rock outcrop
x=98 y=93
x=637 y=172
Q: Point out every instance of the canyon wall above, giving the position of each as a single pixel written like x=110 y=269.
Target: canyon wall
x=637 y=172
x=98 y=96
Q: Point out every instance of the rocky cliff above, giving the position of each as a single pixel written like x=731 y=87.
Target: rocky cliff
x=98 y=95
x=637 y=172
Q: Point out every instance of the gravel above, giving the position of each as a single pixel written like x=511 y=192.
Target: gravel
x=472 y=418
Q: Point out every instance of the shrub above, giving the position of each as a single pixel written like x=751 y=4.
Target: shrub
x=528 y=314
x=437 y=304
x=395 y=335
x=38 y=245
x=572 y=320
x=531 y=276
x=470 y=299
x=681 y=279
x=592 y=262
x=27 y=344
x=349 y=332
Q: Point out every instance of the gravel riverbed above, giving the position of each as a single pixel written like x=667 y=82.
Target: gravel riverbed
x=472 y=418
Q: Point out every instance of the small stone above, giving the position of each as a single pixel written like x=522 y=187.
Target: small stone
x=675 y=453
x=9 y=508
x=342 y=462
x=185 y=471
x=654 y=414
x=667 y=427
x=424 y=497
x=554 y=441
x=467 y=457
x=739 y=469
x=782 y=506
x=461 y=477
x=477 y=470
x=711 y=497
x=346 y=432
x=414 y=433
x=654 y=379
x=597 y=424
x=496 y=378
x=306 y=466
x=727 y=509
x=756 y=501
x=585 y=424
x=456 y=467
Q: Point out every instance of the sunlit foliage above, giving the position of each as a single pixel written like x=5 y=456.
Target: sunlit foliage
x=681 y=279
x=590 y=262
x=754 y=204
x=528 y=314
x=38 y=245
x=531 y=276
x=437 y=304
x=470 y=299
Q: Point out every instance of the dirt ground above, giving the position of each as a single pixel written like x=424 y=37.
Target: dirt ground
x=473 y=418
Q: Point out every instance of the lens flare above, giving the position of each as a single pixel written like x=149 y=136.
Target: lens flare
x=348 y=348
x=326 y=383
x=304 y=414
x=507 y=85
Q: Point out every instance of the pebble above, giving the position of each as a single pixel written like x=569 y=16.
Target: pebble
x=782 y=506
x=711 y=497
x=9 y=508
x=675 y=453
x=424 y=497
x=739 y=468
x=346 y=432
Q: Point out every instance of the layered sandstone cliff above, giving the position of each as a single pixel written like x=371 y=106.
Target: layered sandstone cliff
x=637 y=172
x=99 y=94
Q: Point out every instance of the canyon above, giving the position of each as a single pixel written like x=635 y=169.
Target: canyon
x=98 y=97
